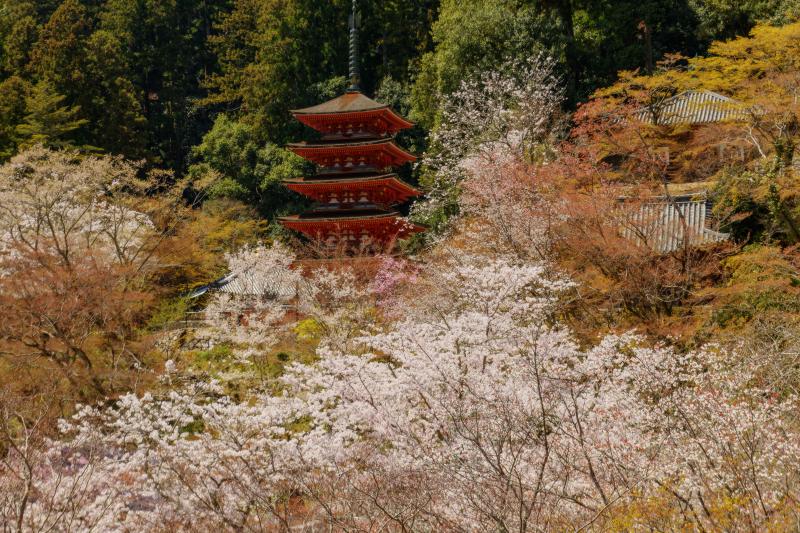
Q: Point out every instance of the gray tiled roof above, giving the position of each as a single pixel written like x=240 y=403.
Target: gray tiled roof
x=243 y=284
x=666 y=225
x=694 y=107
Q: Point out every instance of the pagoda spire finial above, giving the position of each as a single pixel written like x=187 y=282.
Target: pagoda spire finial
x=355 y=75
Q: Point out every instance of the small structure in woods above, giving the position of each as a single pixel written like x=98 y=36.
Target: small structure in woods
x=250 y=285
x=668 y=224
x=692 y=107
x=355 y=188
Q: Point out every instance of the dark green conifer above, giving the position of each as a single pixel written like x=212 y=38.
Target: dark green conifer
x=48 y=121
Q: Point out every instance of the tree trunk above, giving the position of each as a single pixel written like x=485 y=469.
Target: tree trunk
x=565 y=11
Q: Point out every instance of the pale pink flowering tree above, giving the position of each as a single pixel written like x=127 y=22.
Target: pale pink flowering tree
x=58 y=203
x=500 y=421
x=78 y=249
x=514 y=210
x=195 y=458
x=467 y=394
x=46 y=486
x=711 y=435
x=394 y=275
x=262 y=284
x=339 y=302
x=474 y=412
x=503 y=115
x=267 y=281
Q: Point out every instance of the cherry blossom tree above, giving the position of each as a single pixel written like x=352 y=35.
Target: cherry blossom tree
x=59 y=203
x=267 y=281
x=259 y=286
x=79 y=238
x=504 y=115
x=475 y=411
x=392 y=279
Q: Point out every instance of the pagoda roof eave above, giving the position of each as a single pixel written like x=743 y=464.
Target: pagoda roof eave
x=341 y=176
x=352 y=102
x=369 y=213
x=393 y=178
x=316 y=120
x=341 y=144
x=308 y=150
x=350 y=217
x=349 y=102
x=308 y=224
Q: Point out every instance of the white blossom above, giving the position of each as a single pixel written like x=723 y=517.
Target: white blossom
x=495 y=118
x=475 y=411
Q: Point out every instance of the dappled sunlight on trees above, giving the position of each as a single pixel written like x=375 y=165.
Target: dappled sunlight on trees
x=598 y=329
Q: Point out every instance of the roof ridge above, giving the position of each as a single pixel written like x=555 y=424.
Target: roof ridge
x=699 y=91
x=349 y=95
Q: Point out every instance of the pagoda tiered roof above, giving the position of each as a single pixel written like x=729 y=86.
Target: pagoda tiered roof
x=351 y=155
x=354 y=189
x=354 y=224
x=352 y=111
x=386 y=189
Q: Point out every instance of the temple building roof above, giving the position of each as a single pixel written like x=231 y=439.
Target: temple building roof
x=351 y=107
x=349 y=102
x=387 y=189
x=693 y=107
x=384 y=152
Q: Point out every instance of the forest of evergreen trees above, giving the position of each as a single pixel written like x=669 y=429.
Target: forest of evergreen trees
x=199 y=86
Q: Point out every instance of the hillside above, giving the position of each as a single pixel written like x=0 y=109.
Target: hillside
x=593 y=326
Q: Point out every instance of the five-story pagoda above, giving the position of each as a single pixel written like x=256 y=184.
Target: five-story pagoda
x=355 y=190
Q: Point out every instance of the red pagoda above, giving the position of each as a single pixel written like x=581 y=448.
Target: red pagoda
x=355 y=190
